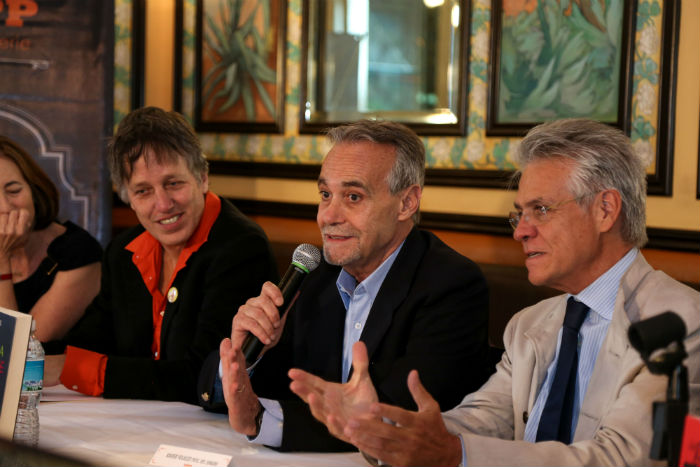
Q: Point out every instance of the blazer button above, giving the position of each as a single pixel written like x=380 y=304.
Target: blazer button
x=205 y=396
x=525 y=417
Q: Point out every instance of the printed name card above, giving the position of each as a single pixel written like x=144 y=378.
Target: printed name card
x=175 y=456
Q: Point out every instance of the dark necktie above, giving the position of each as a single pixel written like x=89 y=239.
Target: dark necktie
x=555 y=422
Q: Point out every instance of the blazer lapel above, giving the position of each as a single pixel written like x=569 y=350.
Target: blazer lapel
x=615 y=349
x=543 y=339
x=605 y=373
x=171 y=308
x=327 y=328
x=393 y=291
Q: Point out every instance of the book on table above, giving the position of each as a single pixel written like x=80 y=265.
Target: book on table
x=14 y=339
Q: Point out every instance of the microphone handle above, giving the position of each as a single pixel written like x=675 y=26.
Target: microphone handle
x=289 y=286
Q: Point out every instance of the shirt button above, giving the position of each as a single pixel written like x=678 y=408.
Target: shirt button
x=358 y=326
x=155 y=354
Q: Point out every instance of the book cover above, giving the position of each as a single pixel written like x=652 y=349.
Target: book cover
x=14 y=339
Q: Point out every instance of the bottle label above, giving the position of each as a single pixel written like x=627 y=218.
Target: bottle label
x=33 y=375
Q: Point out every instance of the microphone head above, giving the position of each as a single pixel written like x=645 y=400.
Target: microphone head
x=656 y=332
x=307 y=257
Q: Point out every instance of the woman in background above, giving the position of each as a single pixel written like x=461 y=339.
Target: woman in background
x=47 y=269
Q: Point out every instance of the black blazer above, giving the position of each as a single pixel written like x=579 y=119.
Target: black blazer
x=227 y=269
x=431 y=314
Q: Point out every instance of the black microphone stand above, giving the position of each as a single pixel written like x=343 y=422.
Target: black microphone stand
x=669 y=416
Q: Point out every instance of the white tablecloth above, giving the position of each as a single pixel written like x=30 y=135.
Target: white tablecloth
x=126 y=432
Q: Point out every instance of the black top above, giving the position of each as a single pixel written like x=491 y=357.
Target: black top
x=73 y=249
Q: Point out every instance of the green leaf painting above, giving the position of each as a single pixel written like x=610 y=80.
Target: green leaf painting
x=238 y=52
x=560 y=58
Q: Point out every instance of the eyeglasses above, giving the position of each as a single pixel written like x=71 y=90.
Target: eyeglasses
x=536 y=215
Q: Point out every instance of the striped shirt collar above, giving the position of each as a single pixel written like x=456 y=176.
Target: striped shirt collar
x=600 y=295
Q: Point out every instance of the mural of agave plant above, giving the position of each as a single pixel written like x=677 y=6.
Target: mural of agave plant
x=239 y=52
x=560 y=58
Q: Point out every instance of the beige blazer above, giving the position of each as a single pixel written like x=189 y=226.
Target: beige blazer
x=614 y=425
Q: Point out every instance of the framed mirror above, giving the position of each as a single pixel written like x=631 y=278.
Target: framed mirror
x=400 y=60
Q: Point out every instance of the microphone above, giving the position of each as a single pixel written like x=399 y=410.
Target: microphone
x=305 y=259
x=665 y=331
x=656 y=332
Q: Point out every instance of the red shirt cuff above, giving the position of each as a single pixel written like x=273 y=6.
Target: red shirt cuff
x=84 y=371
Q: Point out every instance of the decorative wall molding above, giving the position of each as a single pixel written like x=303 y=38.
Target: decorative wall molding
x=61 y=156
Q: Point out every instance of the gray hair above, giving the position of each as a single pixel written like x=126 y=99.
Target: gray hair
x=603 y=159
x=409 y=167
x=166 y=134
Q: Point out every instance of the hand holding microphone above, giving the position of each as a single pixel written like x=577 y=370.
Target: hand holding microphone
x=259 y=319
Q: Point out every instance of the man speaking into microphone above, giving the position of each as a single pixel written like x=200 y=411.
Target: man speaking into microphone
x=413 y=301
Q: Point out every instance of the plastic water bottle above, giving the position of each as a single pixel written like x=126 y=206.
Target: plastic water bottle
x=27 y=423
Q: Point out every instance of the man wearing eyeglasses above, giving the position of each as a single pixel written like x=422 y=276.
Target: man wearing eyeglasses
x=569 y=390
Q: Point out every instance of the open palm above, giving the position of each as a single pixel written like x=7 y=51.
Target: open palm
x=334 y=404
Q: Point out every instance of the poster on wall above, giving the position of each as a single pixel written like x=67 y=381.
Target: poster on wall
x=240 y=65
x=56 y=62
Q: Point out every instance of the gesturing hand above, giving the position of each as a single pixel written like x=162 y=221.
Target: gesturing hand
x=417 y=438
x=334 y=404
x=242 y=403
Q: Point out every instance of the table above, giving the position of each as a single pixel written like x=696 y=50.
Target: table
x=125 y=432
